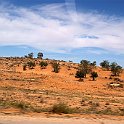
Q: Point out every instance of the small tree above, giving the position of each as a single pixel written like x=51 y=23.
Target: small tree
x=93 y=64
x=105 y=64
x=85 y=67
x=31 y=65
x=40 y=55
x=43 y=64
x=79 y=74
x=30 y=55
x=25 y=56
x=116 y=69
x=56 y=67
x=85 y=62
x=94 y=75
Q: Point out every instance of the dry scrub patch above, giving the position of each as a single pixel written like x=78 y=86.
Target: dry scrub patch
x=38 y=90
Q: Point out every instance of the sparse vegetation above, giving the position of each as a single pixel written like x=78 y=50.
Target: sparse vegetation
x=31 y=64
x=93 y=64
x=116 y=69
x=43 y=64
x=30 y=55
x=85 y=67
x=80 y=74
x=105 y=64
x=38 y=91
x=16 y=104
x=56 y=67
x=94 y=75
x=20 y=105
x=40 y=55
x=61 y=108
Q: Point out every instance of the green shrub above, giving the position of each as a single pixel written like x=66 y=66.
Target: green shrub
x=105 y=64
x=20 y=105
x=94 y=75
x=116 y=69
x=43 y=64
x=61 y=108
x=85 y=67
x=79 y=74
x=56 y=67
x=15 y=104
x=107 y=111
x=31 y=64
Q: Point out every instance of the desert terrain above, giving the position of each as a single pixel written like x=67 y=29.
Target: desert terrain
x=52 y=120
x=35 y=91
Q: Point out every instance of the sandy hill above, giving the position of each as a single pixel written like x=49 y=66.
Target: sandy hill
x=38 y=90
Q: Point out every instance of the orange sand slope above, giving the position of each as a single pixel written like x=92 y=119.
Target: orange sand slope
x=42 y=88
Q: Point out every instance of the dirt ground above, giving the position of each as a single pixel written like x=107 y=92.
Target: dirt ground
x=44 y=120
x=40 y=89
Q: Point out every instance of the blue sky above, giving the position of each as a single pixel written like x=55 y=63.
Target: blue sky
x=109 y=7
x=63 y=29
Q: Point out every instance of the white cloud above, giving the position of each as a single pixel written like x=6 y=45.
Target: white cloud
x=52 y=28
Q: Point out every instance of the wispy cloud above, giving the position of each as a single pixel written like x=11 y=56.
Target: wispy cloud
x=52 y=28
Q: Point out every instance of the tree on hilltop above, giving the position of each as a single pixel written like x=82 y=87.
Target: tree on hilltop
x=105 y=64
x=30 y=55
x=93 y=64
x=85 y=67
x=116 y=69
x=40 y=55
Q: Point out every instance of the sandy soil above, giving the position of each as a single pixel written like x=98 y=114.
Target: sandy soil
x=43 y=120
x=42 y=88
